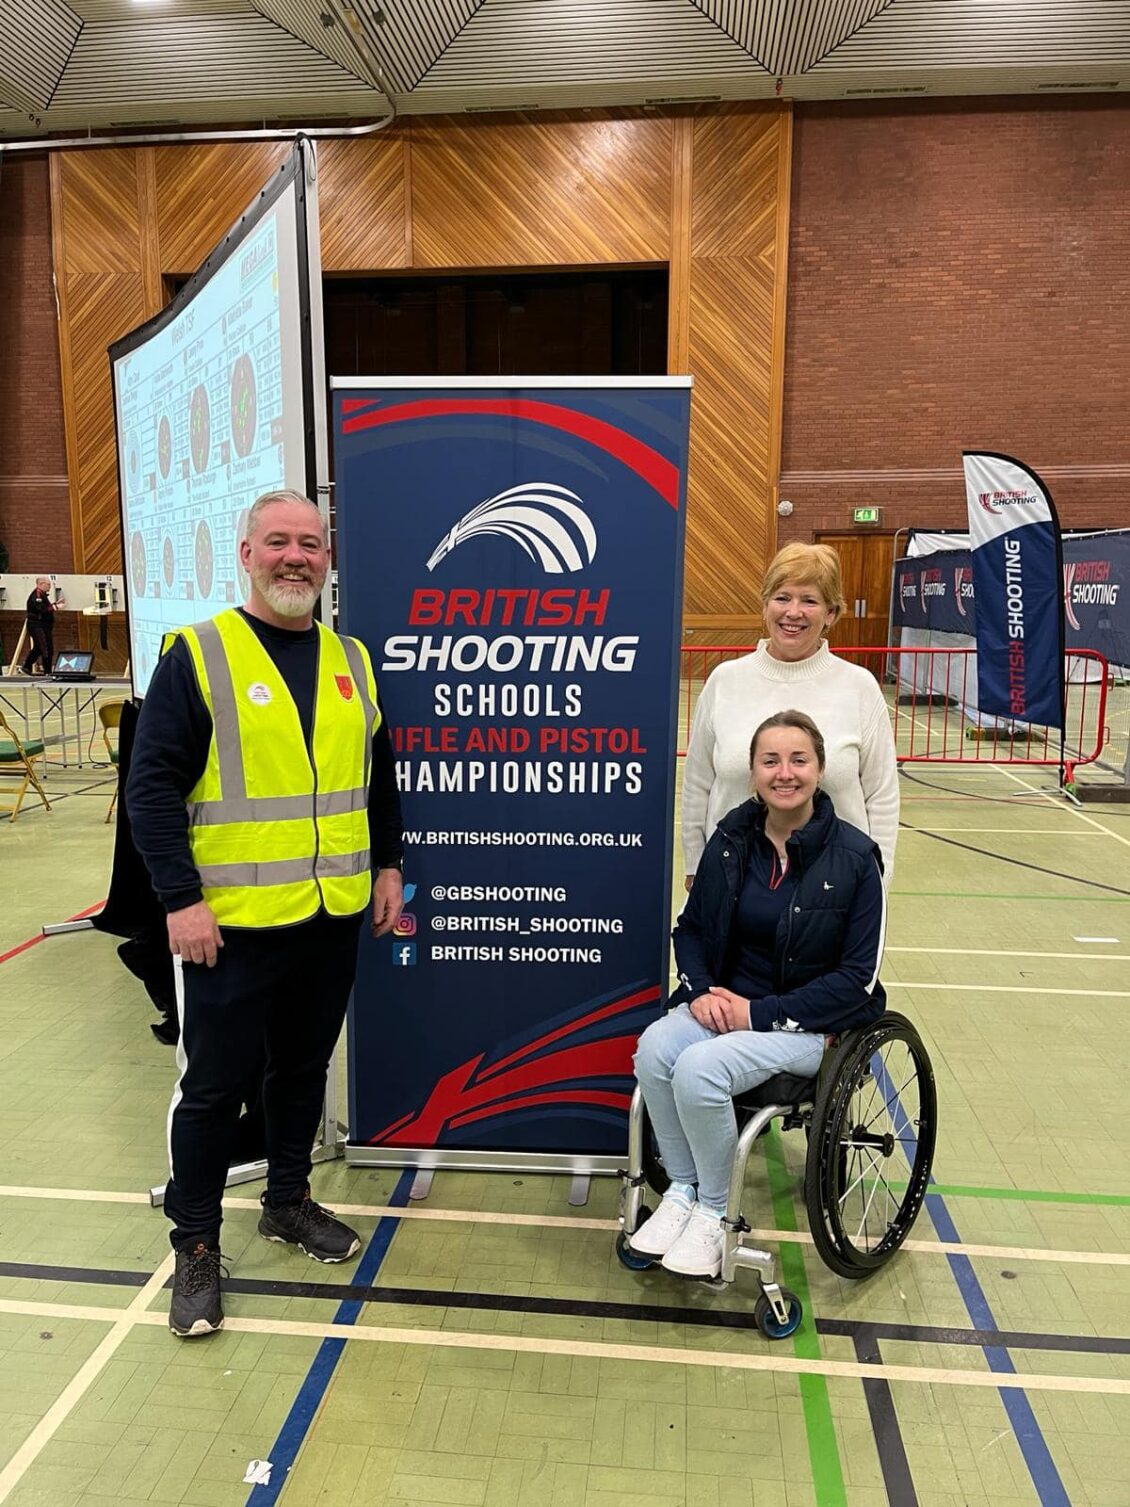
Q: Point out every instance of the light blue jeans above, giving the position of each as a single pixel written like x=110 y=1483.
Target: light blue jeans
x=689 y=1076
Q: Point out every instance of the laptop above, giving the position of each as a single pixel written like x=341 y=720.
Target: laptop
x=73 y=664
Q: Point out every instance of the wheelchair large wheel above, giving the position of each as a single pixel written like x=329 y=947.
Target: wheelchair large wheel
x=871 y=1146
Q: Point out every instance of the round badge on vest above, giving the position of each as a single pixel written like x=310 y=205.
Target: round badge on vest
x=259 y=694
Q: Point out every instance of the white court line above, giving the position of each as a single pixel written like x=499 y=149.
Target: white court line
x=568 y=1222
x=1009 y=989
x=121 y=1322
x=721 y=1360
x=1056 y=801
x=78 y=1195
x=998 y=831
x=993 y=952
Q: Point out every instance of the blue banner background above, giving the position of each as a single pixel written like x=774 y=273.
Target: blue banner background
x=500 y=1053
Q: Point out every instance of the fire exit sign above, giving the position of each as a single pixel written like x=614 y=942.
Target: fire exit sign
x=865 y=515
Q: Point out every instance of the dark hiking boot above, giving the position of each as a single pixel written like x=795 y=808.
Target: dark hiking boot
x=310 y=1227
x=196 y=1307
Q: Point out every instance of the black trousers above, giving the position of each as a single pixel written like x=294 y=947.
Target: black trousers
x=272 y=1007
x=42 y=636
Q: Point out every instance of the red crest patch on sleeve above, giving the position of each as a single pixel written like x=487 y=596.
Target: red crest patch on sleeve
x=345 y=686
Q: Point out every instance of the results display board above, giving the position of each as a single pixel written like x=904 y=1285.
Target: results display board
x=214 y=403
x=511 y=553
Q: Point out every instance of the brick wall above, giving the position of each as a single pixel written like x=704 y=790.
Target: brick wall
x=35 y=519
x=959 y=277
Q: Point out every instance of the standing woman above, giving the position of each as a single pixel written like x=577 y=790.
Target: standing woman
x=801 y=598
x=778 y=945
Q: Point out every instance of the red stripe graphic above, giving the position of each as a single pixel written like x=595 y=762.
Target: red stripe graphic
x=616 y=1008
x=589 y=1096
x=455 y=1094
x=638 y=457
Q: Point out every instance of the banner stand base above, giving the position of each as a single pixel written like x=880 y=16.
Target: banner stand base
x=421 y=1184
x=579 y=1190
x=247 y=1172
x=428 y=1159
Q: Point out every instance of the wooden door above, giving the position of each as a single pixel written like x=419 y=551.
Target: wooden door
x=866 y=561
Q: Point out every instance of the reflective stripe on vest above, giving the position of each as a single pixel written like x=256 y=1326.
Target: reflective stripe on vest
x=274 y=857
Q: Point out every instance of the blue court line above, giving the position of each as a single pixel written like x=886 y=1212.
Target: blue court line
x=1018 y=1409
x=317 y=1379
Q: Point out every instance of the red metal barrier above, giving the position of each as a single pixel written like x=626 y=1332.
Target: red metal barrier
x=932 y=695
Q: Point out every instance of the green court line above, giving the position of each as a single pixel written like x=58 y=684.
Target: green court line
x=1027 y=1195
x=823 y=1450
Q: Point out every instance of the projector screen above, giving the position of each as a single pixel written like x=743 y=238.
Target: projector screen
x=216 y=400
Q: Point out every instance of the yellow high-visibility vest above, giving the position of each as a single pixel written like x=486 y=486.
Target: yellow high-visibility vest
x=275 y=831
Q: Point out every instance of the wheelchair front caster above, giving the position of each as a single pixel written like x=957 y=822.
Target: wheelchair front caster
x=767 y=1320
x=628 y=1257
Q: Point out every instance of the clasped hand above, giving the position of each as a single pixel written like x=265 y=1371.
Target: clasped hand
x=721 y=1010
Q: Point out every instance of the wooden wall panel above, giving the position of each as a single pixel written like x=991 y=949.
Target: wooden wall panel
x=706 y=192
x=97 y=237
x=202 y=190
x=363 y=202
x=738 y=248
x=552 y=190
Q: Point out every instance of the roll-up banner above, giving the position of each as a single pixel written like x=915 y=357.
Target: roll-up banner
x=1018 y=584
x=511 y=553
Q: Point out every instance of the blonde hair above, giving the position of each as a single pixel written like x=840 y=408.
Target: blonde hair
x=815 y=565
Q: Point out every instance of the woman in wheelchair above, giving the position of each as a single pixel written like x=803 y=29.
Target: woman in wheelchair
x=778 y=948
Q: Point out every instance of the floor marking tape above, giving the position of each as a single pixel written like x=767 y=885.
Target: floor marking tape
x=596 y=1350
x=79 y=1195
x=1057 y=802
x=992 y=952
x=1009 y=989
x=997 y=831
x=35 y=941
x=566 y=1222
x=121 y=1322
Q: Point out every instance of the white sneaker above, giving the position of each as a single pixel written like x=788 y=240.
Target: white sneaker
x=659 y=1233
x=698 y=1250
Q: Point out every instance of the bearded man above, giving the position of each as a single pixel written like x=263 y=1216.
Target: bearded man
x=262 y=797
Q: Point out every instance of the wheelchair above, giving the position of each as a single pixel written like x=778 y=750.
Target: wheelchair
x=870 y=1116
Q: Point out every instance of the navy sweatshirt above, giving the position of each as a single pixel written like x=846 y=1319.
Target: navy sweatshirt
x=170 y=752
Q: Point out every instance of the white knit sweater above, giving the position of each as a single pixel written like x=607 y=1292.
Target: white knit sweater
x=846 y=704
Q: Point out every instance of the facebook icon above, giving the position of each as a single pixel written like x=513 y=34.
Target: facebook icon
x=403 y=954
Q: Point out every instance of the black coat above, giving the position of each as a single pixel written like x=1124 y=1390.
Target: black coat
x=829 y=940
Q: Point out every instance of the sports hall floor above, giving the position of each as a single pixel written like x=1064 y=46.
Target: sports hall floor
x=489 y=1349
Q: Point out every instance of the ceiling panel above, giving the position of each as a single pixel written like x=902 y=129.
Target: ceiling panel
x=139 y=11
x=409 y=38
x=973 y=33
x=36 y=37
x=788 y=39
x=102 y=63
x=304 y=19
x=167 y=62
x=561 y=41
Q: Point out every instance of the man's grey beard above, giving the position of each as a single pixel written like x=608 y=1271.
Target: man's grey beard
x=287 y=599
